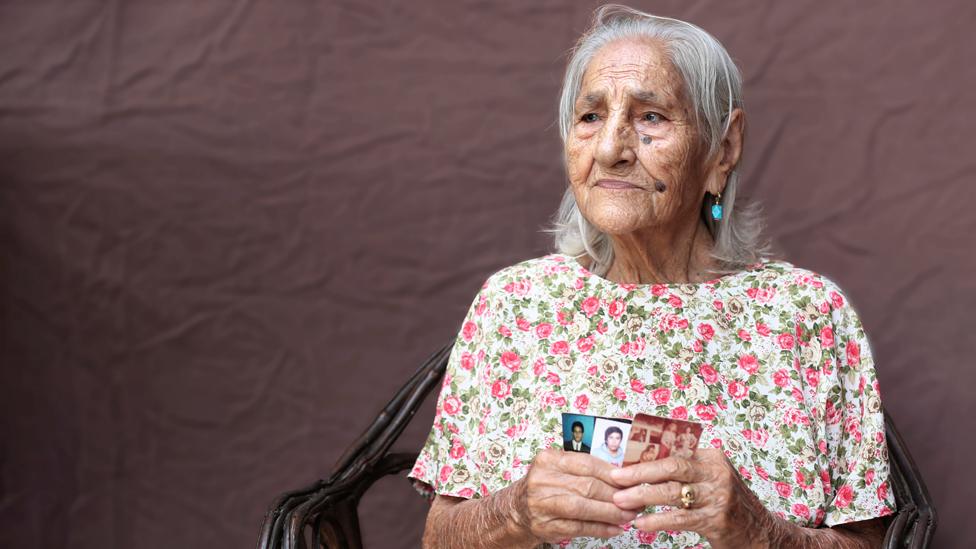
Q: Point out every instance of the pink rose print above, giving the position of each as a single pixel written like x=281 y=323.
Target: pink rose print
x=658 y=290
x=500 y=389
x=853 y=353
x=466 y=493
x=620 y=394
x=706 y=331
x=869 y=476
x=539 y=367
x=801 y=480
x=511 y=360
x=744 y=473
x=559 y=348
x=836 y=300
x=523 y=324
x=679 y=381
x=762 y=295
x=675 y=301
x=826 y=337
x=646 y=537
x=504 y=331
x=584 y=344
x=738 y=390
x=883 y=491
x=553 y=378
x=801 y=510
x=785 y=341
x=601 y=327
x=744 y=335
x=679 y=413
x=749 y=363
x=543 y=330
x=781 y=378
x=708 y=373
x=565 y=317
x=582 y=402
x=762 y=472
x=590 y=306
x=452 y=405
x=637 y=347
x=616 y=308
x=813 y=377
x=467 y=361
x=446 y=472
x=636 y=386
x=783 y=489
x=457 y=449
x=661 y=395
x=762 y=329
x=469 y=330
x=844 y=496
x=705 y=412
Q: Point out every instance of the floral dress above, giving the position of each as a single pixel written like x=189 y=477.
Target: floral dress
x=772 y=360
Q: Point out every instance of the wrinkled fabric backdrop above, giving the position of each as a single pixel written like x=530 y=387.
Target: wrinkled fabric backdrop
x=230 y=230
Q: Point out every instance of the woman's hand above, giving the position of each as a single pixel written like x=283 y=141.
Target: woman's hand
x=725 y=511
x=567 y=495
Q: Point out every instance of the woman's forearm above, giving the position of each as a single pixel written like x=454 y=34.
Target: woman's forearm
x=490 y=522
x=781 y=533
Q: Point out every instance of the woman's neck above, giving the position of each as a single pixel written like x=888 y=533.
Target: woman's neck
x=653 y=256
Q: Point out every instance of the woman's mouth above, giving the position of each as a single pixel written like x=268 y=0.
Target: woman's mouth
x=616 y=184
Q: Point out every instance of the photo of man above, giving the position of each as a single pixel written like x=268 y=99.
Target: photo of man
x=578 y=433
x=576 y=444
x=611 y=434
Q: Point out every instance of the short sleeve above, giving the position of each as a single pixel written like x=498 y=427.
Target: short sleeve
x=855 y=434
x=445 y=465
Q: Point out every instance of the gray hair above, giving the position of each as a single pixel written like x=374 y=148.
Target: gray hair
x=714 y=85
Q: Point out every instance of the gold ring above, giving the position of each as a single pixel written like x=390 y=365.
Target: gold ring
x=687 y=496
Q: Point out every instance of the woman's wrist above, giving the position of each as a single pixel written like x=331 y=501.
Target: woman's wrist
x=510 y=505
x=494 y=521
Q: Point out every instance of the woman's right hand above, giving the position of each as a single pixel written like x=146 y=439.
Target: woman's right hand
x=567 y=495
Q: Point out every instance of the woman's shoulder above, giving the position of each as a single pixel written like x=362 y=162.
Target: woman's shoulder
x=781 y=276
x=526 y=275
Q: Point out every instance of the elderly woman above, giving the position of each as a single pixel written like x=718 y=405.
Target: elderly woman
x=659 y=301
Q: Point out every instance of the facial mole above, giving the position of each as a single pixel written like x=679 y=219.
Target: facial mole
x=660 y=187
x=646 y=140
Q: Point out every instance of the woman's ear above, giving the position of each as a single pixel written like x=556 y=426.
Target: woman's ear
x=729 y=153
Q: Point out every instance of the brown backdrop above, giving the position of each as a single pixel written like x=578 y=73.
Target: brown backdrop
x=231 y=229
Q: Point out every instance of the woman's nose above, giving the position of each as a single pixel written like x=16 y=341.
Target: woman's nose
x=615 y=148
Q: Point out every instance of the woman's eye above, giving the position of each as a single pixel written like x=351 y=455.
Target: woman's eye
x=652 y=117
x=590 y=117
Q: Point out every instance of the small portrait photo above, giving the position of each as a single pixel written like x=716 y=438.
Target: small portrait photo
x=654 y=437
x=577 y=433
x=609 y=439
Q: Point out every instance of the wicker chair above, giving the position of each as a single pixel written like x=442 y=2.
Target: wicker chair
x=324 y=514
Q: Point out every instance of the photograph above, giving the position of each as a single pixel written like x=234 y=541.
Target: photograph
x=609 y=439
x=653 y=437
x=577 y=432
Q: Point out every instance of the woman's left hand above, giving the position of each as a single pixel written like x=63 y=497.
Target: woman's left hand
x=724 y=511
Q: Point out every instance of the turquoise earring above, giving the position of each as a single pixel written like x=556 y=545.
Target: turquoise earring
x=717 y=207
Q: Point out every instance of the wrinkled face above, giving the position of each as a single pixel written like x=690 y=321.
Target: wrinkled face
x=631 y=90
x=613 y=441
x=577 y=433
